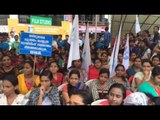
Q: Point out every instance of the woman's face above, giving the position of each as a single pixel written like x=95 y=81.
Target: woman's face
x=145 y=34
x=40 y=59
x=6 y=61
x=120 y=71
x=53 y=68
x=104 y=57
x=120 y=57
x=146 y=66
x=98 y=64
x=103 y=78
x=77 y=63
x=156 y=61
x=20 y=59
x=133 y=56
x=50 y=59
x=27 y=69
x=46 y=82
x=74 y=79
x=63 y=51
x=155 y=30
x=76 y=100
x=8 y=88
x=115 y=96
x=137 y=62
x=157 y=79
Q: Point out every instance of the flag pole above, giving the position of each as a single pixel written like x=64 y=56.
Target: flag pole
x=34 y=65
x=95 y=27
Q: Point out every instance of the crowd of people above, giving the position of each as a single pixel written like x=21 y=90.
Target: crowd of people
x=50 y=82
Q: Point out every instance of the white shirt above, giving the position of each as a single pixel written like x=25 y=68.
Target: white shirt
x=80 y=42
x=19 y=100
x=145 y=56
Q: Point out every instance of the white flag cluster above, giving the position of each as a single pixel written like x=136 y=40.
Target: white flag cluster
x=137 y=27
x=74 y=53
x=126 y=54
x=114 y=56
x=86 y=55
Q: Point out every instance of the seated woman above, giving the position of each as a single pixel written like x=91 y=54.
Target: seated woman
x=47 y=93
x=136 y=67
x=99 y=88
x=153 y=85
x=93 y=72
x=40 y=64
x=136 y=98
x=28 y=80
x=105 y=60
x=7 y=67
x=20 y=63
x=141 y=77
x=119 y=77
x=155 y=60
x=11 y=94
x=73 y=85
x=77 y=64
x=58 y=78
x=80 y=97
x=116 y=95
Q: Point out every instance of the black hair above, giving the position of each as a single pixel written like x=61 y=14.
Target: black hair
x=156 y=27
x=104 y=53
x=106 y=28
x=23 y=56
x=156 y=100
x=74 y=61
x=94 y=61
x=30 y=62
x=146 y=60
x=49 y=64
x=120 y=86
x=155 y=56
x=146 y=31
x=84 y=94
x=42 y=57
x=13 y=79
x=137 y=58
x=131 y=34
x=120 y=65
x=6 y=56
x=155 y=71
x=48 y=74
x=75 y=71
x=104 y=70
x=72 y=89
x=60 y=35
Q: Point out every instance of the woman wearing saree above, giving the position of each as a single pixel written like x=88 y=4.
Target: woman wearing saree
x=153 y=85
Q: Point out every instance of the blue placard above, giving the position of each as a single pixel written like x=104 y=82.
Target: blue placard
x=35 y=44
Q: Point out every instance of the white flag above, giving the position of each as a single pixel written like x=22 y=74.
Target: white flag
x=126 y=54
x=86 y=55
x=74 y=43
x=137 y=27
x=114 y=56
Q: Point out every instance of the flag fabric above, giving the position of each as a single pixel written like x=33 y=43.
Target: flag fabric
x=86 y=55
x=137 y=27
x=73 y=40
x=126 y=54
x=114 y=56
